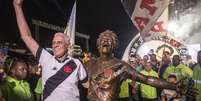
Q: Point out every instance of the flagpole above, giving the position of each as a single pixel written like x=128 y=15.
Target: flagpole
x=70 y=28
x=165 y=41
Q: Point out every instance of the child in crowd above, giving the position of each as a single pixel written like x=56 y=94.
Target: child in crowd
x=170 y=95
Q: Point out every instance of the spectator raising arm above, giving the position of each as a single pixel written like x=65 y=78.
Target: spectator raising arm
x=24 y=28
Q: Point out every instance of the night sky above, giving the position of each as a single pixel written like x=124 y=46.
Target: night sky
x=93 y=17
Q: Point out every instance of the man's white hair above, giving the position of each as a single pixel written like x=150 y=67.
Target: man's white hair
x=66 y=37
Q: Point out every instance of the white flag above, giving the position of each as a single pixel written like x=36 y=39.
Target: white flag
x=146 y=14
x=70 y=28
x=159 y=28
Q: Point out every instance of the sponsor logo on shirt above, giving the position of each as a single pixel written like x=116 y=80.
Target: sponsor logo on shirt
x=67 y=69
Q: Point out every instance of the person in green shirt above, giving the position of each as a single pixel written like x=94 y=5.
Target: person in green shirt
x=196 y=76
x=38 y=90
x=148 y=93
x=15 y=88
x=124 y=90
x=177 y=69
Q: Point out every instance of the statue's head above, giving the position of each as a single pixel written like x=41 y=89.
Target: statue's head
x=107 y=41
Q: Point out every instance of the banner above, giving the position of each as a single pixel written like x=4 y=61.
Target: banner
x=159 y=28
x=146 y=14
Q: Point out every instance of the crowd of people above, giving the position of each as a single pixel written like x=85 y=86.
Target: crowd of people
x=20 y=80
x=173 y=70
x=106 y=78
x=26 y=77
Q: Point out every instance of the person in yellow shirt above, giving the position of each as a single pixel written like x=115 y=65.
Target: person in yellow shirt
x=124 y=94
x=38 y=90
x=15 y=88
x=196 y=76
x=148 y=93
x=177 y=69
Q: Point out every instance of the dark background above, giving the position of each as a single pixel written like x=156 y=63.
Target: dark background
x=93 y=17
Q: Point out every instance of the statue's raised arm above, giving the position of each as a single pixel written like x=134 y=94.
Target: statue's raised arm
x=106 y=73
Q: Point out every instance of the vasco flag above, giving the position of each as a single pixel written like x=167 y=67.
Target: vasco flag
x=146 y=14
x=159 y=28
x=70 y=28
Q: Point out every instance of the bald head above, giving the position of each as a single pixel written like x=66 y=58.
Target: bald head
x=176 y=60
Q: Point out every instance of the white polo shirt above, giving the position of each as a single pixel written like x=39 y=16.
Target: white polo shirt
x=67 y=90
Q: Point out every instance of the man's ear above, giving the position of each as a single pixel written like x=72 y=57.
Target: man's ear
x=68 y=46
x=12 y=71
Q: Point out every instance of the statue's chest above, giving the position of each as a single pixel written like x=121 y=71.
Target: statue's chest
x=107 y=74
x=102 y=70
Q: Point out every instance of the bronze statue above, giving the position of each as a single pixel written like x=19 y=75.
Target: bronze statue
x=106 y=73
